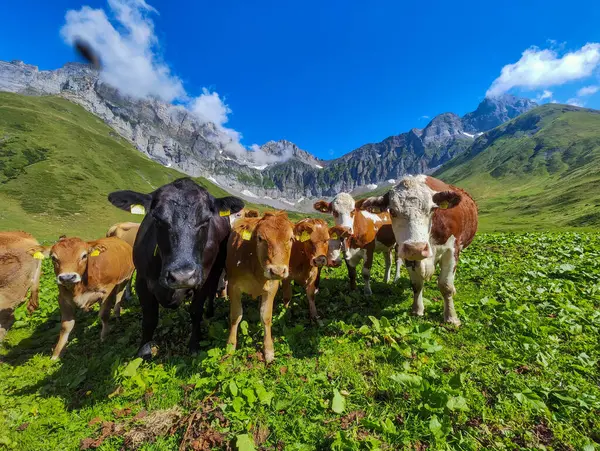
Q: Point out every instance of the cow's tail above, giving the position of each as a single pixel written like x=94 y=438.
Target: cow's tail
x=34 y=301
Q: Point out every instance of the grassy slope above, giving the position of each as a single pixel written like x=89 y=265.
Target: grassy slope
x=521 y=373
x=540 y=171
x=57 y=164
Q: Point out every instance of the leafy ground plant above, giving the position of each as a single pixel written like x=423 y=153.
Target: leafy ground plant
x=521 y=373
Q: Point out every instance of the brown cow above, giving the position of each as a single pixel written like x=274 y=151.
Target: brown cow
x=126 y=231
x=309 y=255
x=20 y=269
x=366 y=238
x=433 y=222
x=258 y=257
x=86 y=273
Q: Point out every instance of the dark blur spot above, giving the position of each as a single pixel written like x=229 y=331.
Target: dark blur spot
x=87 y=53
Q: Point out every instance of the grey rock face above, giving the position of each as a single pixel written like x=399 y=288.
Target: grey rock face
x=282 y=174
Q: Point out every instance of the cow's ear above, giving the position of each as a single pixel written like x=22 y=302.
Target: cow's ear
x=39 y=252
x=374 y=204
x=339 y=232
x=252 y=214
x=96 y=250
x=302 y=231
x=228 y=205
x=136 y=203
x=446 y=199
x=322 y=206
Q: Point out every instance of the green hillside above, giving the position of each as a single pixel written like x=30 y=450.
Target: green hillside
x=539 y=171
x=58 y=163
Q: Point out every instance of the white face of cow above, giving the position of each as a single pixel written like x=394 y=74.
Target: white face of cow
x=235 y=216
x=411 y=204
x=342 y=208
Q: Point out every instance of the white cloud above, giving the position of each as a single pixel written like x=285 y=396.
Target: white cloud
x=131 y=62
x=588 y=91
x=424 y=117
x=575 y=102
x=544 y=95
x=539 y=68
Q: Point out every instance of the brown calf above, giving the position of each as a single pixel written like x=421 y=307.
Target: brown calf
x=127 y=231
x=20 y=269
x=86 y=273
x=258 y=257
x=309 y=255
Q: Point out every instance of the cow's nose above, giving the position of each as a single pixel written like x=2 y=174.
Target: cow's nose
x=319 y=261
x=415 y=251
x=278 y=271
x=68 y=277
x=334 y=263
x=182 y=278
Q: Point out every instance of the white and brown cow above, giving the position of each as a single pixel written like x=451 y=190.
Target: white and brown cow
x=127 y=231
x=433 y=222
x=358 y=235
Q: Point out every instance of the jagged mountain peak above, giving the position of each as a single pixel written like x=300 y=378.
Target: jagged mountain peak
x=493 y=111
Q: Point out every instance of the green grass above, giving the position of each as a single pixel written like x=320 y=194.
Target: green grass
x=58 y=163
x=521 y=373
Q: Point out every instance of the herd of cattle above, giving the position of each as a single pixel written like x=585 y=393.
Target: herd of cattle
x=191 y=245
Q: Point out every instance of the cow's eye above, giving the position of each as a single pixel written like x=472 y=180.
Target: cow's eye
x=84 y=256
x=260 y=238
x=54 y=258
x=393 y=213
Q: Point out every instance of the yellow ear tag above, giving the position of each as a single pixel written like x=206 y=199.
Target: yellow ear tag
x=38 y=255
x=444 y=204
x=376 y=210
x=95 y=253
x=156 y=250
x=225 y=213
x=137 y=209
x=304 y=237
x=246 y=235
x=334 y=236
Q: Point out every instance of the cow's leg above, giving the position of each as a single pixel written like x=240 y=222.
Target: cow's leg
x=235 y=314
x=416 y=280
x=149 y=305
x=208 y=291
x=7 y=318
x=222 y=290
x=446 y=286
x=104 y=313
x=67 y=322
x=398 y=262
x=128 y=293
x=366 y=270
x=119 y=298
x=311 y=291
x=351 y=265
x=34 y=302
x=387 y=256
x=286 y=286
x=318 y=281
x=266 y=316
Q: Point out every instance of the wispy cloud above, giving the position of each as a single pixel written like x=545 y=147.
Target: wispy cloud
x=588 y=91
x=541 y=68
x=544 y=95
x=126 y=41
x=424 y=117
x=575 y=102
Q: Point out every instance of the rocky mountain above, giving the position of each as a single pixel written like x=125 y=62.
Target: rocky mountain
x=277 y=172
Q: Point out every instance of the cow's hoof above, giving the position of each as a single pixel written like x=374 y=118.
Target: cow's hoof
x=146 y=351
x=269 y=356
x=453 y=320
x=418 y=312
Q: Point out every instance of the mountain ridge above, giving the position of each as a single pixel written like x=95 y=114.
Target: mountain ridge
x=174 y=137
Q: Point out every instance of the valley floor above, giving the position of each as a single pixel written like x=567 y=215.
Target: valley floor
x=522 y=371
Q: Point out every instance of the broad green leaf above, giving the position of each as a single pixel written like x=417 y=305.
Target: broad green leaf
x=131 y=368
x=436 y=427
x=264 y=396
x=233 y=388
x=244 y=442
x=384 y=322
x=250 y=396
x=338 y=403
x=376 y=324
x=456 y=381
x=411 y=380
x=457 y=403
x=244 y=327
x=237 y=403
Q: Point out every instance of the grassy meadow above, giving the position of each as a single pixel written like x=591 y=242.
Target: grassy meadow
x=521 y=373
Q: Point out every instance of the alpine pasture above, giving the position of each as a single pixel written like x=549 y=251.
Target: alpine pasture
x=522 y=372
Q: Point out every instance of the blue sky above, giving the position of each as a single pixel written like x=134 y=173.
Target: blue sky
x=329 y=76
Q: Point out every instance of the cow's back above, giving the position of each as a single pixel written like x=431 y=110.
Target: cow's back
x=113 y=265
x=17 y=240
x=127 y=231
x=460 y=221
x=17 y=268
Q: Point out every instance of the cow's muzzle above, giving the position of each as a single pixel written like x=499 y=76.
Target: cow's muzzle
x=415 y=251
x=276 y=272
x=319 y=261
x=185 y=277
x=68 y=278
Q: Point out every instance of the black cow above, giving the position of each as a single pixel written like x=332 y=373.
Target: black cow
x=179 y=251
